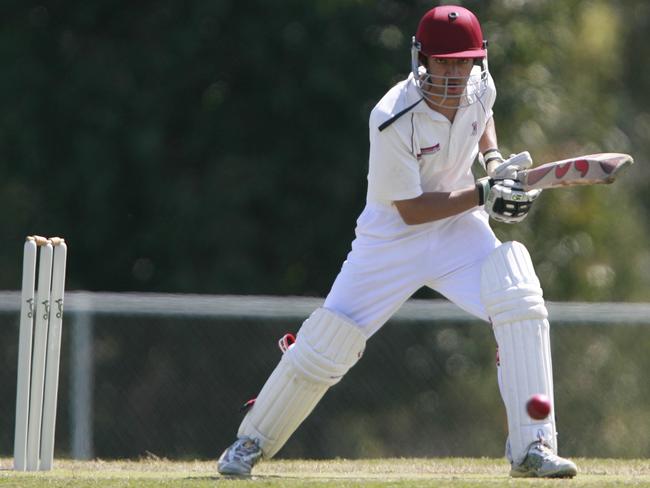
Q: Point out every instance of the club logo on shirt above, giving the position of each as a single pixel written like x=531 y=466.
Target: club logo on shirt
x=425 y=151
x=474 y=128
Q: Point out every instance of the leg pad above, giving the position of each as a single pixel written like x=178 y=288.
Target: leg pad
x=327 y=346
x=512 y=295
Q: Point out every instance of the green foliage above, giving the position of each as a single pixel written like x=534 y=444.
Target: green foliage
x=560 y=68
x=221 y=147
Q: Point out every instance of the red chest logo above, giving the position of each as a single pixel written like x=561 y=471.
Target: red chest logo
x=425 y=151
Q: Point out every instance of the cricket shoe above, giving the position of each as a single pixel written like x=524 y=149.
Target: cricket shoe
x=239 y=459
x=542 y=462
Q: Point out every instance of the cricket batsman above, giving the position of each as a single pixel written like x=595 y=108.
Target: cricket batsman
x=426 y=223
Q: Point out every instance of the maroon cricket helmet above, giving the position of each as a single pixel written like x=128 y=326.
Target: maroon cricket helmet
x=450 y=31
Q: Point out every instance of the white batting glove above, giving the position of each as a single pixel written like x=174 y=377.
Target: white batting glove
x=505 y=200
x=501 y=169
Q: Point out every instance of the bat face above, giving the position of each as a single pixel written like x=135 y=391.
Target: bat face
x=591 y=169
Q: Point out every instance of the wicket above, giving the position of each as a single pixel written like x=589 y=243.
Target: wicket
x=39 y=348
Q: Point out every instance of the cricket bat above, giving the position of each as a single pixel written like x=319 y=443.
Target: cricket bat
x=591 y=169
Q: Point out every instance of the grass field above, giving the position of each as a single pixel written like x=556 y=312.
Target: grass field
x=455 y=472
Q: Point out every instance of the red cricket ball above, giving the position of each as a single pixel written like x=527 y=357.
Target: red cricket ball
x=539 y=406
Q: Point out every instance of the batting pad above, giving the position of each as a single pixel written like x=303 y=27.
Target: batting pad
x=512 y=295
x=327 y=346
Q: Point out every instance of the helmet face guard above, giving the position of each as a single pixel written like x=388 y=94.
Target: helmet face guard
x=435 y=89
x=449 y=31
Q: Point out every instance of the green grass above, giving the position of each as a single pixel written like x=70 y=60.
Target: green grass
x=439 y=472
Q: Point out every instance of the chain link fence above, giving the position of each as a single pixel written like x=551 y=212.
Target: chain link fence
x=166 y=375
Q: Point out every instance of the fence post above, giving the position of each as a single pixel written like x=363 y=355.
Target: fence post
x=82 y=374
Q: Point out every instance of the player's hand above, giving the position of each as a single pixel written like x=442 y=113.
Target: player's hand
x=505 y=200
x=506 y=169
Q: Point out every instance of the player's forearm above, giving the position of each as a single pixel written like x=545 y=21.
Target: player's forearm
x=489 y=138
x=432 y=206
x=488 y=146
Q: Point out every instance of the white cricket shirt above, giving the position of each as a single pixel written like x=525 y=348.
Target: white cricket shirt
x=422 y=151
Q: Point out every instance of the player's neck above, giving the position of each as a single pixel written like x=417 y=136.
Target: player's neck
x=449 y=111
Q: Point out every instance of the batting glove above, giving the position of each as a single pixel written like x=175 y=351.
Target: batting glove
x=501 y=169
x=505 y=200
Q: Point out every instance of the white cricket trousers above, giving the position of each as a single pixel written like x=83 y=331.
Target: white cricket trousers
x=381 y=273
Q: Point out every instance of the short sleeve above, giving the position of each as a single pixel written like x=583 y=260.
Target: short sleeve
x=394 y=172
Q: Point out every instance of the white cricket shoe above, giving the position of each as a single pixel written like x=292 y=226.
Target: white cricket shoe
x=239 y=459
x=542 y=462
